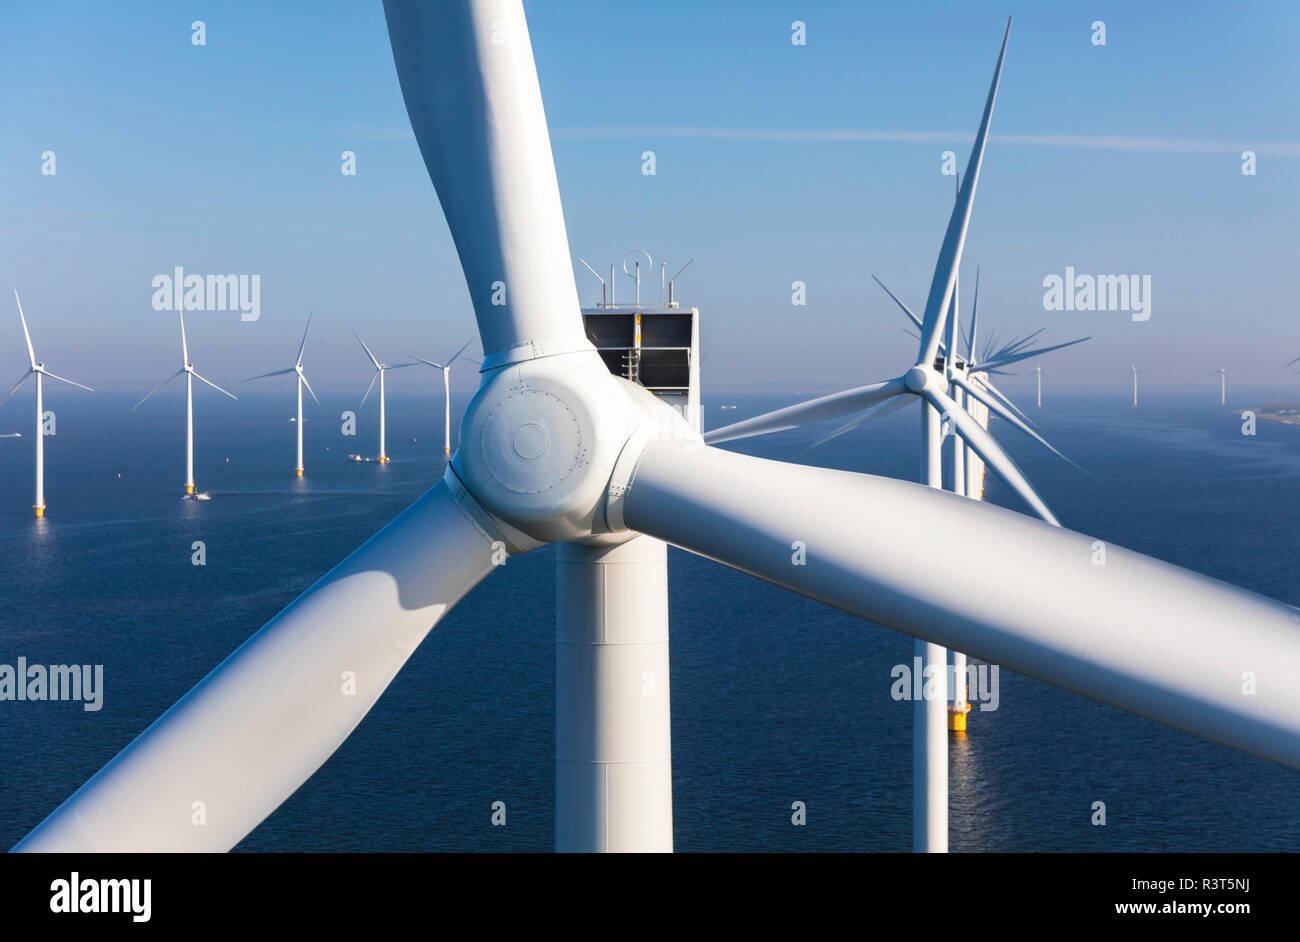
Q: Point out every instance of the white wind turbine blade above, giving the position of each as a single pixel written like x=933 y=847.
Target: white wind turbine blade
x=398 y=366
x=1136 y=633
x=1005 y=360
x=1015 y=420
x=945 y=270
x=272 y=373
x=185 y=347
x=867 y=416
x=303 y=346
x=815 y=410
x=303 y=377
x=214 y=385
x=367 y=349
x=268 y=716
x=63 y=380
x=974 y=321
x=1016 y=344
x=476 y=109
x=21 y=380
x=906 y=310
x=986 y=446
x=986 y=383
x=436 y=366
x=462 y=349
x=31 y=352
x=156 y=388
x=373 y=378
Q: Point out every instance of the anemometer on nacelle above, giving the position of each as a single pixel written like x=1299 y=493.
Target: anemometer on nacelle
x=654 y=345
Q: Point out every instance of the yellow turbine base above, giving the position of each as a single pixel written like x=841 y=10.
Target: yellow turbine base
x=957 y=718
x=189 y=488
x=446 y=450
x=40 y=511
x=383 y=459
x=299 y=470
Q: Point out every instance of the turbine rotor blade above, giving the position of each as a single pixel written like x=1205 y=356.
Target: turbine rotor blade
x=1011 y=417
x=185 y=347
x=272 y=373
x=987 y=447
x=462 y=349
x=974 y=320
x=906 y=310
x=31 y=352
x=954 y=241
x=898 y=403
x=303 y=346
x=303 y=376
x=21 y=380
x=156 y=388
x=436 y=366
x=265 y=719
x=61 y=379
x=367 y=349
x=1136 y=633
x=986 y=383
x=1039 y=351
x=214 y=385
x=373 y=377
x=815 y=410
x=476 y=109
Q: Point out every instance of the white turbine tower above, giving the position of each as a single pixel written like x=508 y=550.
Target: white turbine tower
x=1223 y=385
x=1133 y=372
x=297 y=371
x=446 y=392
x=380 y=370
x=557 y=449
x=191 y=374
x=1038 y=373
x=40 y=372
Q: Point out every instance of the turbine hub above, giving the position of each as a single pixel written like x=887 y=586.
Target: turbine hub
x=541 y=440
x=916 y=379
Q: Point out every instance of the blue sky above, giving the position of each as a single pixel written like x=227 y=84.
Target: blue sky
x=226 y=158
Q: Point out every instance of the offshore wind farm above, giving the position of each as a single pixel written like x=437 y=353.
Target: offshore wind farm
x=876 y=638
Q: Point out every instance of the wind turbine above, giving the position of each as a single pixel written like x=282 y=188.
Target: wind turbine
x=1133 y=372
x=446 y=392
x=191 y=374
x=380 y=370
x=557 y=449
x=297 y=371
x=1038 y=373
x=1223 y=385
x=40 y=372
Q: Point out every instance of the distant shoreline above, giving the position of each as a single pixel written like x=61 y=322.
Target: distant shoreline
x=1286 y=413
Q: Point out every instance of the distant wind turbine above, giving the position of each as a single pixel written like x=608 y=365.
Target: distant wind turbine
x=1133 y=371
x=1223 y=386
x=380 y=370
x=446 y=392
x=296 y=369
x=1038 y=372
x=39 y=371
x=191 y=374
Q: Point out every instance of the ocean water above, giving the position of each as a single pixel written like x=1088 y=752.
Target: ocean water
x=775 y=698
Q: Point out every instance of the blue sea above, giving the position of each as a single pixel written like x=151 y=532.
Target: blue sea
x=775 y=698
